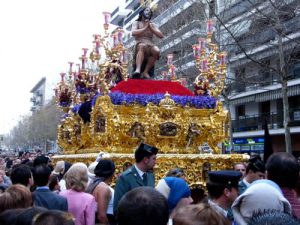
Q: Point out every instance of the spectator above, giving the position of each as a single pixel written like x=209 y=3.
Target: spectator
x=176 y=172
x=9 y=216
x=26 y=217
x=54 y=217
x=283 y=169
x=80 y=204
x=262 y=195
x=255 y=170
x=143 y=205
x=240 y=167
x=21 y=174
x=273 y=218
x=200 y=214
x=54 y=183
x=176 y=191
x=16 y=196
x=138 y=175
x=103 y=193
x=43 y=196
x=222 y=189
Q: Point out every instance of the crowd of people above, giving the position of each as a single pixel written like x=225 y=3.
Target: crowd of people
x=36 y=191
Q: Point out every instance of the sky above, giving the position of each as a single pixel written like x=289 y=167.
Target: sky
x=38 y=39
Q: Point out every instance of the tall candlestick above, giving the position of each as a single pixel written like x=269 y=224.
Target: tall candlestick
x=204 y=66
x=120 y=36
x=223 y=58
x=210 y=27
x=106 y=17
x=170 y=59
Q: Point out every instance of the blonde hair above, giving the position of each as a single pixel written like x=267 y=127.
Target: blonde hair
x=77 y=177
x=199 y=214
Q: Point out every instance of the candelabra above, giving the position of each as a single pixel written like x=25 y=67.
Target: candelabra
x=97 y=72
x=211 y=64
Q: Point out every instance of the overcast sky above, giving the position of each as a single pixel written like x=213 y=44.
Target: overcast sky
x=38 y=38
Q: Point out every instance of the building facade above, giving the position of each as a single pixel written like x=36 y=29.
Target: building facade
x=249 y=32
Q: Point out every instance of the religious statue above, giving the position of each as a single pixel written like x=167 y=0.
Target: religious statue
x=137 y=131
x=146 y=52
x=193 y=131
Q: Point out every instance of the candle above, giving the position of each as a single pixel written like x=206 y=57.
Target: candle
x=196 y=51
x=85 y=50
x=169 y=59
x=223 y=58
x=71 y=65
x=106 y=17
x=201 y=44
x=62 y=75
x=124 y=57
x=210 y=26
x=120 y=36
x=204 y=66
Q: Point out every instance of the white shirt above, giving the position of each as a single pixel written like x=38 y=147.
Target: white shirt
x=141 y=173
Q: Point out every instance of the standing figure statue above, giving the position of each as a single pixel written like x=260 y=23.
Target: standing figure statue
x=146 y=52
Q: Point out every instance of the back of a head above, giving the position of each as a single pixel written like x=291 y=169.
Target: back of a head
x=9 y=216
x=16 y=196
x=273 y=218
x=200 y=214
x=21 y=174
x=76 y=177
x=283 y=169
x=41 y=174
x=39 y=160
x=143 y=205
x=255 y=164
x=54 y=217
x=26 y=217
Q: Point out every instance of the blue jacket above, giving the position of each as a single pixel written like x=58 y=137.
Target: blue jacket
x=50 y=200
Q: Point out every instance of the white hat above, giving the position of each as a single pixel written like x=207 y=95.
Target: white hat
x=91 y=169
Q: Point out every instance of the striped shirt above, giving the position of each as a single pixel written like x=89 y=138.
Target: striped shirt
x=291 y=196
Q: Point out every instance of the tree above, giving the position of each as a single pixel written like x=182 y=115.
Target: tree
x=34 y=131
x=271 y=24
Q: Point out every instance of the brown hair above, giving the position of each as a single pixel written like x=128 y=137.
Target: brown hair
x=16 y=196
x=76 y=177
x=199 y=214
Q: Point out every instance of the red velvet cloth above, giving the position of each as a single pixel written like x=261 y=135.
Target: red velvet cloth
x=139 y=86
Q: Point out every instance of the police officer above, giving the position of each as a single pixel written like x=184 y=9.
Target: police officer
x=138 y=175
x=222 y=189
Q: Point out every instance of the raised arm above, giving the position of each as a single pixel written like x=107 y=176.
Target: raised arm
x=155 y=30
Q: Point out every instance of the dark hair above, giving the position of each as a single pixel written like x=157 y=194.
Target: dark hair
x=26 y=217
x=41 y=175
x=141 y=13
x=215 y=190
x=53 y=181
x=21 y=174
x=143 y=205
x=256 y=165
x=176 y=172
x=105 y=168
x=283 y=169
x=274 y=218
x=144 y=150
x=54 y=217
x=40 y=160
x=9 y=216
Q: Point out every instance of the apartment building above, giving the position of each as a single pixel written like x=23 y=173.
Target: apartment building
x=254 y=89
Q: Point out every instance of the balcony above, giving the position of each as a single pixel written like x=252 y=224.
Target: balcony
x=256 y=122
x=118 y=15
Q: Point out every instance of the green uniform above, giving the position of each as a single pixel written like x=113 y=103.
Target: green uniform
x=129 y=180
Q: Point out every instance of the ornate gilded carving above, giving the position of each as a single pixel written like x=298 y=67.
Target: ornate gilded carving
x=168 y=129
